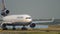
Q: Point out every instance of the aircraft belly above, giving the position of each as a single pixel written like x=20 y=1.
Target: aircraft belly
x=17 y=23
x=22 y=23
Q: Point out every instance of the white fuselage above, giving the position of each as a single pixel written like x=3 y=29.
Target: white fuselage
x=17 y=19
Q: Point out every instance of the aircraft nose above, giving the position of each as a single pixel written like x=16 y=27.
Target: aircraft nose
x=29 y=20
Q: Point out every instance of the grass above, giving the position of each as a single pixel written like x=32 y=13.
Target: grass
x=29 y=32
x=32 y=31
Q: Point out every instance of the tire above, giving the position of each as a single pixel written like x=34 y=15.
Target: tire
x=23 y=28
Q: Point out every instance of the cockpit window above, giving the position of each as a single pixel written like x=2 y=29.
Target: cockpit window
x=28 y=17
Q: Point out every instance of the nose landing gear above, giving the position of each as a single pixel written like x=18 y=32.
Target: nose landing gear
x=14 y=27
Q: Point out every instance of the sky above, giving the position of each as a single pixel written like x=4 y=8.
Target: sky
x=39 y=9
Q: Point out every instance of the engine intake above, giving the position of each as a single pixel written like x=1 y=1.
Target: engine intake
x=32 y=25
x=5 y=12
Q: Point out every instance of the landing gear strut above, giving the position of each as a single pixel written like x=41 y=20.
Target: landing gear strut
x=5 y=28
x=14 y=27
x=23 y=28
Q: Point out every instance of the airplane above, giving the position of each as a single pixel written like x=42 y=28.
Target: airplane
x=23 y=19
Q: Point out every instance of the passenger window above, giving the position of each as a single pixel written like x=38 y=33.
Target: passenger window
x=19 y=17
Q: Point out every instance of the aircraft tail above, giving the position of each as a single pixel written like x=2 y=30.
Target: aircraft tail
x=4 y=11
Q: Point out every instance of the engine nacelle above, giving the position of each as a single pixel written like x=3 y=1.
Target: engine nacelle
x=5 y=12
x=32 y=25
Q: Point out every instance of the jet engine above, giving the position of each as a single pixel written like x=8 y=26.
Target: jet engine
x=5 y=12
x=32 y=25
